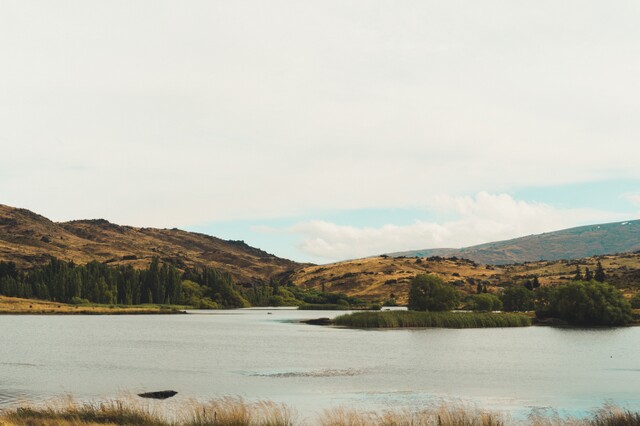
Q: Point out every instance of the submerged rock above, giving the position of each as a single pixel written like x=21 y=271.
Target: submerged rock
x=158 y=394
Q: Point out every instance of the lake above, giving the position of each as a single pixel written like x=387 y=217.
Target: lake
x=267 y=354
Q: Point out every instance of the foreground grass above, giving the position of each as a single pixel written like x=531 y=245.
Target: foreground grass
x=232 y=411
x=400 y=319
x=15 y=305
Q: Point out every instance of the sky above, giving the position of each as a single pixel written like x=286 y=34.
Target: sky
x=323 y=130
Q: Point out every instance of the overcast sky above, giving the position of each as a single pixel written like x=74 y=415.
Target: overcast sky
x=323 y=130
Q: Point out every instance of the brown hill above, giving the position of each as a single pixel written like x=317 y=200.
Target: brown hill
x=380 y=278
x=27 y=239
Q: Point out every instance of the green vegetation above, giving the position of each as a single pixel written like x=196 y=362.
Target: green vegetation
x=483 y=302
x=430 y=293
x=95 y=282
x=159 y=284
x=517 y=299
x=583 y=303
x=402 y=319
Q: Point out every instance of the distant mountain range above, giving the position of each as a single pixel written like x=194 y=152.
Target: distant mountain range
x=573 y=243
x=28 y=239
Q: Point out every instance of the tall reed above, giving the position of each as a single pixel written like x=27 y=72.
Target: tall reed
x=400 y=319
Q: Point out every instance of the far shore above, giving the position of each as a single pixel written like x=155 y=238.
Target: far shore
x=18 y=306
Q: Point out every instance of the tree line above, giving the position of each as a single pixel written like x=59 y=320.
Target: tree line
x=577 y=302
x=95 y=282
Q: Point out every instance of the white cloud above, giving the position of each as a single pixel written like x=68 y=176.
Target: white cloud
x=160 y=113
x=483 y=218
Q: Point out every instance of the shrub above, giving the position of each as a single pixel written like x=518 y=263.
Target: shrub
x=584 y=303
x=483 y=302
x=517 y=299
x=430 y=293
x=635 y=301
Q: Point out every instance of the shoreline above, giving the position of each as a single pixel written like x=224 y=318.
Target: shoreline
x=238 y=411
x=19 y=306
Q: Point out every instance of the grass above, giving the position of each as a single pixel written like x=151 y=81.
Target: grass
x=15 y=305
x=234 y=411
x=401 y=319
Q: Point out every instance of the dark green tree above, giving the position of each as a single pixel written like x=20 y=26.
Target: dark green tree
x=588 y=276
x=517 y=299
x=584 y=303
x=483 y=302
x=430 y=293
x=599 y=275
x=578 y=274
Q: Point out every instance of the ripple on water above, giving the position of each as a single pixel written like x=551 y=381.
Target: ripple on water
x=327 y=372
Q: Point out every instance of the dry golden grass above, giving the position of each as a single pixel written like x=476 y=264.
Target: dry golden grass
x=14 y=305
x=377 y=278
x=235 y=411
x=442 y=415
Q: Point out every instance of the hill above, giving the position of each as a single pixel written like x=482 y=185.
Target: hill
x=28 y=239
x=384 y=277
x=573 y=243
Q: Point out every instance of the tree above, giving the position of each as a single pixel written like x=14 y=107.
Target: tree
x=517 y=299
x=584 y=303
x=599 y=275
x=430 y=293
x=536 y=282
x=588 y=276
x=483 y=302
x=578 y=275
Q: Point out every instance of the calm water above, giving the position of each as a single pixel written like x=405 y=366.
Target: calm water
x=258 y=355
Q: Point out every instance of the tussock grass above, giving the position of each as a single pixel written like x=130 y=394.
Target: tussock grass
x=442 y=415
x=234 y=411
x=227 y=411
x=611 y=415
x=400 y=319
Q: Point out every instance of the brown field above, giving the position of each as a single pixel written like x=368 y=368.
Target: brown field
x=14 y=305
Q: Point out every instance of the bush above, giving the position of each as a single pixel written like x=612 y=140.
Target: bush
x=430 y=293
x=584 y=303
x=483 y=302
x=517 y=299
x=635 y=302
x=79 y=301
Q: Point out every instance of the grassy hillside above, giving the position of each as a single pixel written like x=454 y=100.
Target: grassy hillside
x=574 y=243
x=28 y=239
x=380 y=278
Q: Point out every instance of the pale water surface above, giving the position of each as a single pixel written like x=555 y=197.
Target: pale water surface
x=270 y=356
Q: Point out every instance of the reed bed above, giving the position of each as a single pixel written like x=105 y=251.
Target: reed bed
x=401 y=319
x=234 y=411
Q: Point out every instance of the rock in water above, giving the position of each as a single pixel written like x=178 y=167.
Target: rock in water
x=158 y=395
